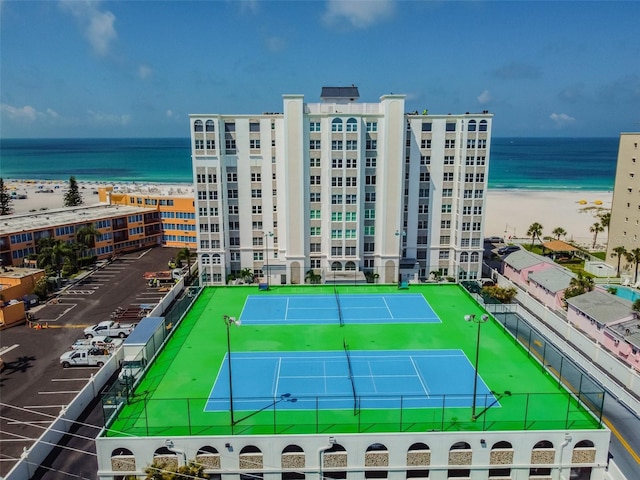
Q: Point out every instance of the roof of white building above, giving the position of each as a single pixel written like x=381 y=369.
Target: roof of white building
x=601 y=306
x=12 y=224
x=629 y=330
x=552 y=279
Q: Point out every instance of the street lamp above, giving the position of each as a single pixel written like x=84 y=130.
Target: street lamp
x=478 y=321
x=266 y=257
x=228 y=321
x=401 y=235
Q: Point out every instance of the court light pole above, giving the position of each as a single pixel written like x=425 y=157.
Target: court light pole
x=228 y=321
x=266 y=256
x=479 y=322
x=401 y=234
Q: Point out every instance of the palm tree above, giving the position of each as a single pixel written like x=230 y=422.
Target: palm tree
x=618 y=252
x=605 y=220
x=595 y=229
x=579 y=285
x=247 y=275
x=559 y=232
x=634 y=257
x=535 y=230
x=86 y=236
x=312 y=277
x=184 y=254
x=53 y=254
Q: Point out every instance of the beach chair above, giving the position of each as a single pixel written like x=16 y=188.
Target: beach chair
x=626 y=282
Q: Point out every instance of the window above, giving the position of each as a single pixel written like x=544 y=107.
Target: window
x=336 y=216
x=447 y=192
x=423 y=193
x=314 y=197
x=254 y=144
x=336 y=144
x=372 y=144
x=369 y=247
x=314 y=162
x=425 y=143
x=466 y=210
x=211 y=144
x=314 y=144
x=450 y=127
x=471 y=143
x=257 y=256
x=336 y=234
x=466 y=226
x=352 y=182
x=315 y=247
x=446 y=208
x=336 y=199
x=482 y=143
x=425 y=159
x=314 y=214
x=445 y=224
x=450 y=143
x=370 y=214
x=315 y=263
x=478 y=193
x=197 y=126
x=423 y=208
x=352 y=125
x=230 y=145
x=336 y=251
x=256 y=193
x=468 y=177
x=256 y=209
x=232 y=193
x=256 y=225
x=232 y=177
x=199 y=145
x=372 y=126
x=350 y=216
x=336 y=181
x=370 y=179
x=370 y=196
x=448 y=177
x=350 y=251
x=230 y=127
x=350 y=233
x=444 y=254
x=370 y=162
x=425 y=177
x=336 y=163
x=336 y=125
x=483 y=125
x=479 y=177
x=256 y=177
x=351 y=199
x=352 y=144
x=254 y=127
x=315 y=231
x=471 y=126
x=369 y=230
x=314 y=180
x=257 y=241
x=314 y=126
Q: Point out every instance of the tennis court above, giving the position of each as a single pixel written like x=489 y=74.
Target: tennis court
x=381 y=379
x=331 y=309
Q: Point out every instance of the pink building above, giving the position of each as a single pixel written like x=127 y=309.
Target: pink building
x=608 y=320
x=519 y=265
x=548 y=286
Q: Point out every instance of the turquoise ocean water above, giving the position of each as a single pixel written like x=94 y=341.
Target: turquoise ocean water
x=516 y=163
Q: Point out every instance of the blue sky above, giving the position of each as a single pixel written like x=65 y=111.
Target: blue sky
x=75 y=68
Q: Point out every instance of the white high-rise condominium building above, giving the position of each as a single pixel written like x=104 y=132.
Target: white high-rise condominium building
x=340 y=190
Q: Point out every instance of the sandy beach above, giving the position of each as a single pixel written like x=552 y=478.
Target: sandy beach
x=509 y=213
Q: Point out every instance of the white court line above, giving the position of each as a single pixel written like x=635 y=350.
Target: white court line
x=286 y=310
x=61 y=392
x=388 y=309
x=7 y=440
x=277 y=376
x=424 y=386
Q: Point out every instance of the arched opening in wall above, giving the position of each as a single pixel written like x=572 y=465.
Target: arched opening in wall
x=350 y=266
x=165 y=458
x=336 y=125
x=471 y=126
x=209 y=457
x=418 y=455
x=210 y=126
x=197 y=126
x=459 y=454
x=483 y=125
x=336 y=266
x=352 y=125
x=293 y=458
x=583 y=452
x=123 y=460
x=251 y=459
x=543 y=444
x=333 y=460
x=501 y=454
x=542 y=453
x=376 y=456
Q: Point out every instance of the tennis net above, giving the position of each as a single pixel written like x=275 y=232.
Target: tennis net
x=340 y=318
x=353 y=383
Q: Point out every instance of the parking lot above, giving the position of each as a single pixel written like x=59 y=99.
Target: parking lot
x=33 y=384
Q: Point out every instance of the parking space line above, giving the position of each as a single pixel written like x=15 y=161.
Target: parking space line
x=61 y=392
x=36 y=407
x=16 y=422
x=83 y=379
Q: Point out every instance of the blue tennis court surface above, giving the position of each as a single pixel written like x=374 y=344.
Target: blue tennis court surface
x=324 y=309
x=382 y=379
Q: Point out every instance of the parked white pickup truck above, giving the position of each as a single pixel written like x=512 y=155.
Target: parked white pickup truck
x=89 y=357
x=109 y=328
x=100 y=341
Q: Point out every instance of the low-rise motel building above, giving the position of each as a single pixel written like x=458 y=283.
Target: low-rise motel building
x=120 y=229
x=350 y=382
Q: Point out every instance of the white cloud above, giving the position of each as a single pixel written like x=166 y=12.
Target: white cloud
x=484 y=97
x=359 y=13
x=100 y=118
x=169 y=113
x=275 y=44
x=27 y=114
x=144 y=71
x=561 y=119
x=97 y=26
